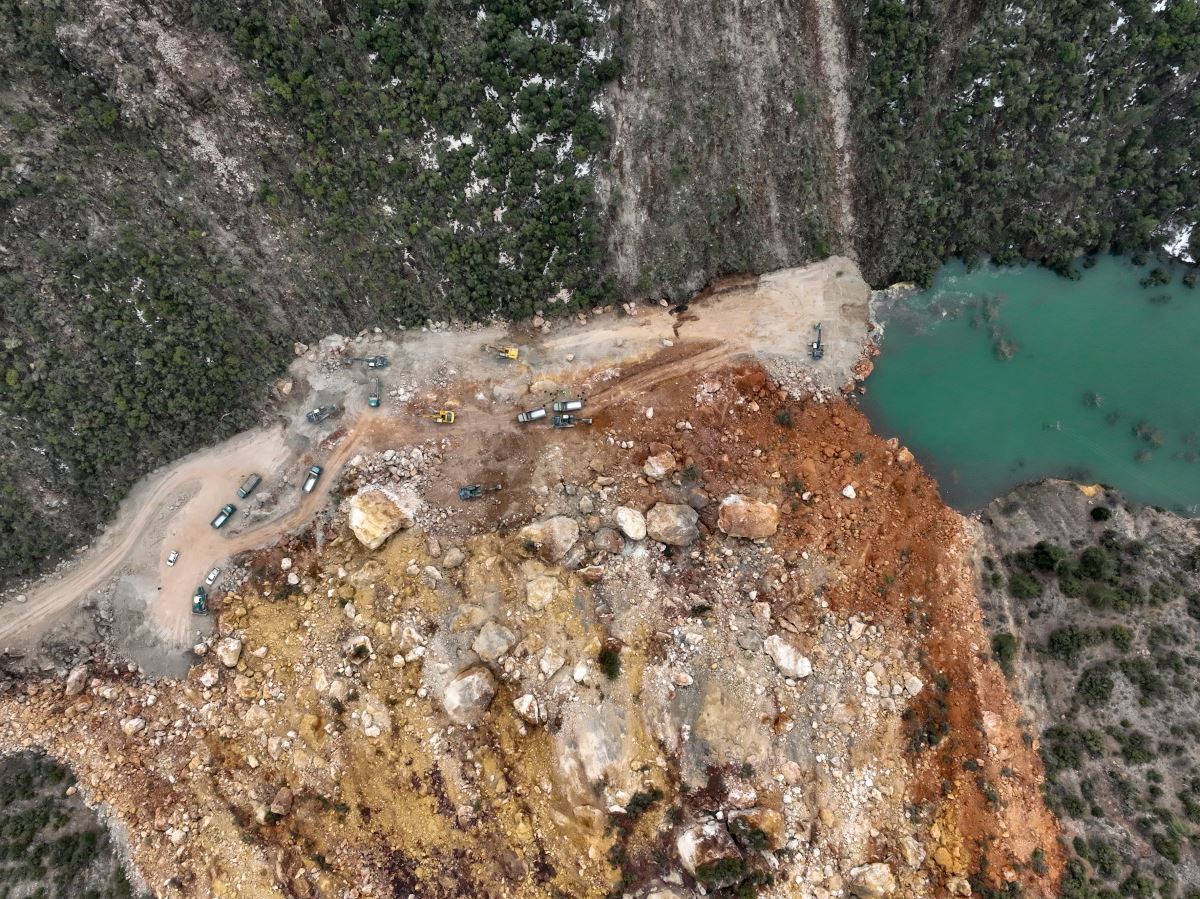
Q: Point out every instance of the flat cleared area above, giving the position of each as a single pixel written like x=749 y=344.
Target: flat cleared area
x=612 y=357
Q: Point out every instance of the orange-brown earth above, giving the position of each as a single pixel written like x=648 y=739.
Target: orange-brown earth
x=317 y=764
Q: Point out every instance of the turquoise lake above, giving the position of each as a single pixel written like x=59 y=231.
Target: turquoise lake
x=1101 y=382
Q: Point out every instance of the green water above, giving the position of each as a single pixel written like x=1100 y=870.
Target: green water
x=1092 y=360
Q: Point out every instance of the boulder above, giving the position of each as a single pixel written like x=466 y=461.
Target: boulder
x=552 y=537
x=76 y=680
x=527 y=707
x=787 y=658
x=631 y=522
x=131 y=726
x=660 y=464
x=282 y=803
x=673 y=524
x=608 y=540
x=874 y=881
x=468 y=696
x=540 y=591
x=376 y=513
x=453 y=558
x=904 y=458
x=229 y=651
x=493 y=641
x=705 y=845
x=741 y=516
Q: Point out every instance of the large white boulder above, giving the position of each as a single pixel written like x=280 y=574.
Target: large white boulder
x=377 y=512
x=673 y=524
x=553 y=537
x=741 y=516
x=468 y=696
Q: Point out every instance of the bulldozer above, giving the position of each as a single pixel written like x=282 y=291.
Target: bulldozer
x=443 y=416
x=503 y=352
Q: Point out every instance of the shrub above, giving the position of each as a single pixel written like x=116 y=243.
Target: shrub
x=1004 y=650
x=1101 y=513
x=1047 y=556
x=1096 y=563
x=784 y=418
x=610 y=661
x=1095 y=686
x=1022 y=586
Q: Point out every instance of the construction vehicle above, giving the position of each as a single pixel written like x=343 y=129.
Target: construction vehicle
x=318 y=415
x=373 y=396
x=248 y=486
x=569 y=421
x=224 y=515
x=200 y=602
x=371 y=361
x=314 y=474
x=531 y=415
x=503 y=352
x=567 y=405
x=475 y=491
x=444 y=416
x=816 y=349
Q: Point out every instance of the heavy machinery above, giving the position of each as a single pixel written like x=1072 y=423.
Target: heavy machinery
x=503 y=352
x=816 y=349
x=249 y=486
x=475 y=491
x=200 y=602
x=567 y=405
x=314 y=475
x=315 y=416
x=444 y=416
x=373 y=396
x=224 y=515
x=370 y=361
x=569 y=421
x=531 y=415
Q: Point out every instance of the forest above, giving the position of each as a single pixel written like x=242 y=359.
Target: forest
x=1022 y=130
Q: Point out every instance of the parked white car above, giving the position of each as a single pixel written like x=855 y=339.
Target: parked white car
x=212 y=576
x=173 y=558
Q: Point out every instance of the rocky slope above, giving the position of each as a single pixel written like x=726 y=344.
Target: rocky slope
x=1093 y=604
x=727 y=641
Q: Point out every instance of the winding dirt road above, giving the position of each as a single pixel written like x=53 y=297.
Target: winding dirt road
x=172 y=508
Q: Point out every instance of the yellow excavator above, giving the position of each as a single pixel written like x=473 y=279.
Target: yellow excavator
x=443 y=416
x=503 y=352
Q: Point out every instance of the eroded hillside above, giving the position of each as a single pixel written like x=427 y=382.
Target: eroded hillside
x=728 y=643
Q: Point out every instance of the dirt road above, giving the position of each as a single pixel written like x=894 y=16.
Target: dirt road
x=772 y=318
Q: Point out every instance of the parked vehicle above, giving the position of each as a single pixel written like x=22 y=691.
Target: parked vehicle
x=224 y=515
x=503 y=352
x=444 y=416
x=531 y=415
x=200 y=602
x=474 y=491
x=373 y=396
x=249 y=486
x=212 y=576
x=173 y=557
x=371 y=361
x=316 y=416
x=314 y=475
x=568 y=405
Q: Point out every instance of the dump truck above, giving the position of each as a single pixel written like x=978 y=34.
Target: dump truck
x=444 y=416
x=318 y=415
x=373 y=396
x=531 y=415
x=200 y=602
x=314 y=475
x=567 y=405
x=503 y=352
x=569 y=421
x=371 y=361
x=474 y=491
x=224 y=515
x=249 y=486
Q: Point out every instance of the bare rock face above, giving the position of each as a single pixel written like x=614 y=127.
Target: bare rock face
x=787 y=658
x=553 y=537
x=468 y=696
x=705 y=844
x=631 y=522
x=376 y=513
x=741 y=516
x=874 y=881
x=673 y=524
